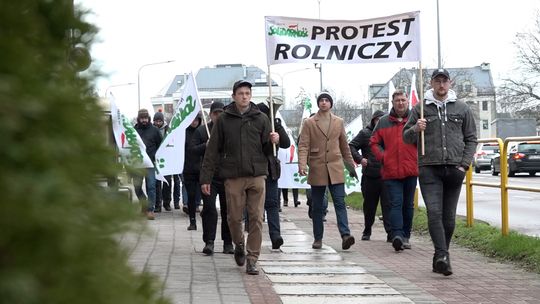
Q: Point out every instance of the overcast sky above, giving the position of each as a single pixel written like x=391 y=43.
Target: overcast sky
x=204 y=33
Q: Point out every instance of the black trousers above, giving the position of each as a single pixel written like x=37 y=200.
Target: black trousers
x=285 y=192
x=193 y=190
x=210 y=217
x=373 y=191
x=163 y=191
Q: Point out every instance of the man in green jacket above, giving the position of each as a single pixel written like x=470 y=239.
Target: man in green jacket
x=239 y=145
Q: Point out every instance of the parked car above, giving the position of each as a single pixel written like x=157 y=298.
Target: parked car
x=483 y=156
x=523 y=157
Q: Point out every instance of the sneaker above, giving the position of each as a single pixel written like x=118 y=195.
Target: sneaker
x=239 y=255
x=277 y=242
x=406 y=244
x=192 y=227
x=251 y=268
x=150 y=215
x=347 y=241
x=208 y=248
x=228 y=249
x=397 y=243
x=317 y=244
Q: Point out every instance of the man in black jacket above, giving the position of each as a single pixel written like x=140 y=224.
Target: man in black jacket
x=152 y=139
x=209 y=213
x=371 y=184
x=239 y=145
x=271 y=201
x=192 y=168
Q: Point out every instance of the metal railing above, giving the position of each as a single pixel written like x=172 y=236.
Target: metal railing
x=503 y=184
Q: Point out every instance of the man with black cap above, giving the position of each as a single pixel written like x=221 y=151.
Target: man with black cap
x=152 y=139
x=371 y=184
x=239 y=145
x=323 y=146
x=450 y=137
x=209 y=212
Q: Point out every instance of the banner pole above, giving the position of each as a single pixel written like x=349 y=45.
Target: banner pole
x=421 y=77
x=271 y=104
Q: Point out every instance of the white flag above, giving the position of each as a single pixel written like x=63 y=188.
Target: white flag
x=170 y=155
x=391 y=90
x=288 y=157
x=352 y=184
x=131 y=147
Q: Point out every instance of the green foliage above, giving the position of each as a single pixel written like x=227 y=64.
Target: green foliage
x=58 y=225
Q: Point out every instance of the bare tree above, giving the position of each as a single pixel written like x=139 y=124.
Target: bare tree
x=521 y=94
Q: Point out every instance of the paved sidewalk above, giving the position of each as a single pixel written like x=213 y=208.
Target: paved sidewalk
x=174 y=254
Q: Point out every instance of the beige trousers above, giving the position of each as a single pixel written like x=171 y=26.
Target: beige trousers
x=246 y=193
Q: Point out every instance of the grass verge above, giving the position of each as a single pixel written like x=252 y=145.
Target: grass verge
x=516 y=248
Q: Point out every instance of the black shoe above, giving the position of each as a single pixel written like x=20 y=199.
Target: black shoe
x=317 y=244
x=277 y=242
x=192 y=227
x=251 y=268
x=239 y=255
x=442 y=265
x=347 y=241
x=177 y=206
x=228 y=249
x=208 y=248
x=296 y=204
x=167 y=206
x=286 y=204
x=397 y=243
x=157 y=209
x=185 y=209
x=365 y=237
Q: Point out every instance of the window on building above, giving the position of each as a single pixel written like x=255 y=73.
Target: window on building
x=484 y=105
x=485 y=124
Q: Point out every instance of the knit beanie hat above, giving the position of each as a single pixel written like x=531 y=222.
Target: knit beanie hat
x=159 y=116
x=325 y=95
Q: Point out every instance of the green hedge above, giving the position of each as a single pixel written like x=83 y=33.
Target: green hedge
x=59 y=228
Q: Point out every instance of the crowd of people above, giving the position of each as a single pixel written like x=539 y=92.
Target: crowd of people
x=234 y=157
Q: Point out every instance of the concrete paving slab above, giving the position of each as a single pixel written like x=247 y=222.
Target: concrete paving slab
x=325 y=278
x=334 y=289
x=345 y=269
x=321 y=258
x=345 y=300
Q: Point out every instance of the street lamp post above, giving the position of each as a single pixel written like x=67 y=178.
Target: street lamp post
x=117 y=85
x=139 y=79
x=282 y=78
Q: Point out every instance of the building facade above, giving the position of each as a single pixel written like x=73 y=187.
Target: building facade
x=215 y=84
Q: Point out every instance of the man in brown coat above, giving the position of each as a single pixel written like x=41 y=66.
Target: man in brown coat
x=323 y=146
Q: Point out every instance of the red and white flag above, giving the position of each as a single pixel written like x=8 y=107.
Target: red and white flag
x=413 y=96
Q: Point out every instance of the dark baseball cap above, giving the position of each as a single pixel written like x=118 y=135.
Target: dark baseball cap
x=440 y=72
x=216 y=107
x=241 y=83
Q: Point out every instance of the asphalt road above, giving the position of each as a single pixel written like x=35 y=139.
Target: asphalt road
x=524 y=207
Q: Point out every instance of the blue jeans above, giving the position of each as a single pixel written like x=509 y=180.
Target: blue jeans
x=338 y=196
x=271 y=206
x=441 y=186
x=401 y=199
x=150 y=187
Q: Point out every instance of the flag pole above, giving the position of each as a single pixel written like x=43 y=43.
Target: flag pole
x=421 y=77
x=271 y=104
x=205 y=121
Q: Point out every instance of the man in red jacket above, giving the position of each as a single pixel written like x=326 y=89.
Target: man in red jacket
x=399 y=168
